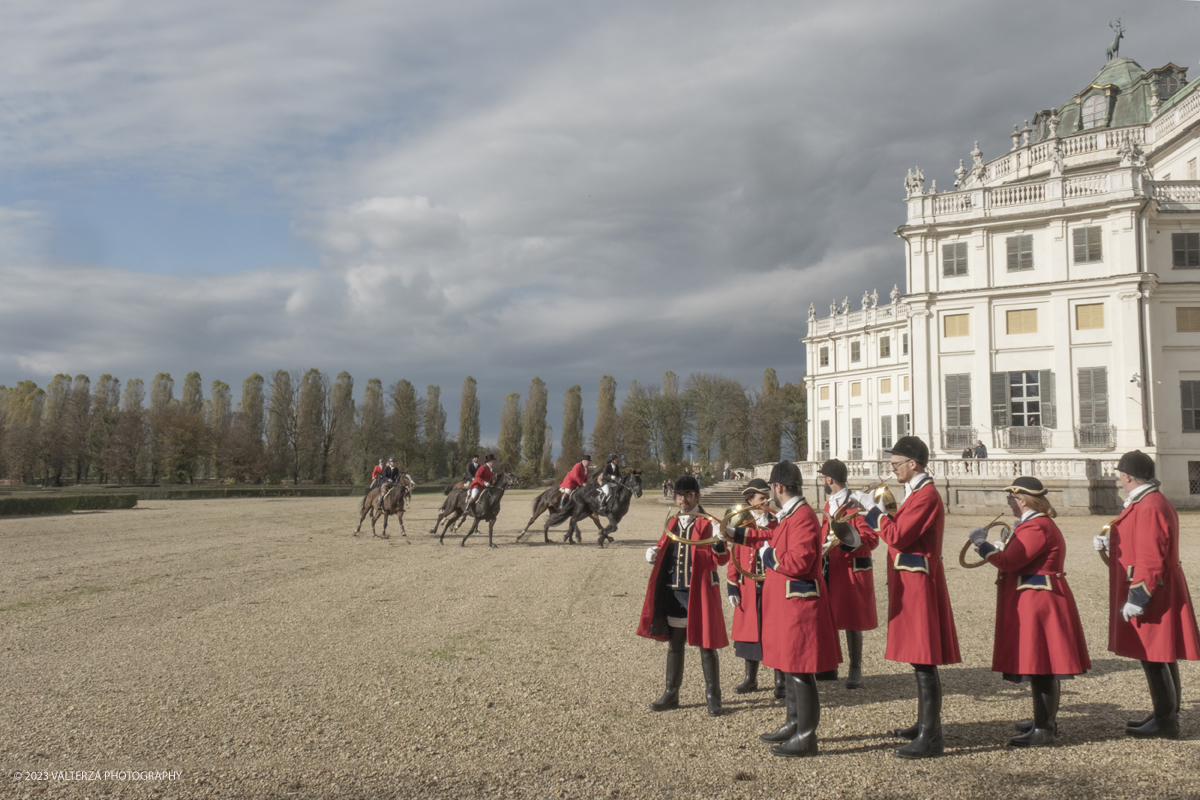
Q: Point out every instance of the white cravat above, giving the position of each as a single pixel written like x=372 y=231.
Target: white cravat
x=685 y=517
x=911 y=486
x=838 y=498
x=1139 y=491
x=1026 y=516
x=789 y=505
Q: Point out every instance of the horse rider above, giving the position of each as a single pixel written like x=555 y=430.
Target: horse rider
x=482 y=479
x=472 y=468
x=609 y=478
x=391 y=473
x=577 y=477
x=376 y=476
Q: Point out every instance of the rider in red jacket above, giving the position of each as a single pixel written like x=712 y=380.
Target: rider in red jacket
x=483 y=479
x=577 y=477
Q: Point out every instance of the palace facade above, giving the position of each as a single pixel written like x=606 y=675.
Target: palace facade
x=1051 y=304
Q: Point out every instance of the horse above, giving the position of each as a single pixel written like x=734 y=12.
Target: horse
x=454 y=506
x=487 y=508
x=585 y=502
x=385 y=501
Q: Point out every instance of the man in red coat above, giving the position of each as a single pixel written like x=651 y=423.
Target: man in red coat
x=484 y=476
x=577 y=477
x=1150 y=609
x=798 y=633
x=745 y=594
x=683 y=598
x=849 y=573
x=920 y=622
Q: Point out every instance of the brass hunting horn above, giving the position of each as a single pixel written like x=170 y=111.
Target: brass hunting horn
x=1005 y=535
x=882 y=495
x=742 y=516
x=692 y=542
x=1104 y=532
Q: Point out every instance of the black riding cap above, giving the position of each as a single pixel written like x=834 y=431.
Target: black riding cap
x=1027 y=484
x=833 y=468
x=911 y=447
x=585 y=457
x=1137 y=465
x=613 y=457
x=756 y=486
x=786 y=473
x=490 y=457
x=687 y=484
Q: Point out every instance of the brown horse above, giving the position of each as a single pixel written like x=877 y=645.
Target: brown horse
x=487 y=508
x=390 y=499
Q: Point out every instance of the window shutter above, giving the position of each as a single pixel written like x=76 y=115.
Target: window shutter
x=1187 y=320
x=1014 y=256
x=1046 y=384
x=999 y=399
x=1100 y=395
x=951 y=401
x=1187 y=405
x=1095 y=251
x=1086 y=401
x=1079 y=239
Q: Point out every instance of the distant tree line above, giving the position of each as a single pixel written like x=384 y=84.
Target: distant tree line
x=296 y=427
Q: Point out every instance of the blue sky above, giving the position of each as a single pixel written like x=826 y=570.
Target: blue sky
x=426 y=191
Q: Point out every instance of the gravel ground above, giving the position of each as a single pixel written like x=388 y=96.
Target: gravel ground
x=255 y=649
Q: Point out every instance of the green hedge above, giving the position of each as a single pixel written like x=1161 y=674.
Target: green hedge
x=64 y=504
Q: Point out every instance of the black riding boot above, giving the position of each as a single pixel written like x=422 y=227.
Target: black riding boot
x=712 y=680
x=828 y=675
x=780 y=691
x=1164 y=724
x=750 y=684
x=911 y=731
x=854 y=645
x=675 y=648
x=803 y=742
x=1174 y=667
x=788 y=729
x=1044 y=728
x=928 y=743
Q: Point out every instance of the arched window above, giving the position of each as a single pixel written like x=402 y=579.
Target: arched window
x=1168 y=85
x=1095 y=112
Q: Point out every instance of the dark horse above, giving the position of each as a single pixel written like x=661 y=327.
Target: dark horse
x=389 y=499
x=487 y=508
x=585 y=502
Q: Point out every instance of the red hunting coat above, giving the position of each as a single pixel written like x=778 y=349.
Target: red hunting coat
x=483 y=477
x=1038 y=631
x=920 y=621
x=745 y=614
x=852 y=581
x=575 y=478
x=706 y=614
x=798 y=630
x=1144 y=555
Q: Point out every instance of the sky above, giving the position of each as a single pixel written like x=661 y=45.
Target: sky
x=497 y=189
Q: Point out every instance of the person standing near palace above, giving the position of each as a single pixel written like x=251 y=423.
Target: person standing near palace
x=1039 y=637
x=577 y=477
x=1151 y=617
x=920 y=621
x=798 y=637
x=745 y=594
x=849 y=573
x=683 y=598
x=484 y=476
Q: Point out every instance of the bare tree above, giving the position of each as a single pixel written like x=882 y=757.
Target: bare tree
x=606 y=435
x=468 y=421
x=406 y=413
x=534 y=429
x=370 y=435
x=572 y=433
x=510 y=432
x=106 y=402
x=434 y=429
x=283 y=422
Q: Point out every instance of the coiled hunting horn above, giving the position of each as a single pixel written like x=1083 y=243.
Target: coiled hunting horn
x=1005 y=535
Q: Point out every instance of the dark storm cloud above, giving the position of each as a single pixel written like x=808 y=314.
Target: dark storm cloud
x=517 y=191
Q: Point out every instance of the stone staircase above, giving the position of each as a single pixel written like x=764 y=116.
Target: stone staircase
x=721 y=495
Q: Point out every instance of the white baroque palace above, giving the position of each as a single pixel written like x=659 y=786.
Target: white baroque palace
x=1052 y=303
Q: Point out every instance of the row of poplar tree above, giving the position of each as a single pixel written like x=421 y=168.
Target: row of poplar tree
x=298 y=427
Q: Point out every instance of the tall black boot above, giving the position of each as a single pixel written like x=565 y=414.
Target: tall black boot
x=1043 y=731
x=854 y=646
x=1165 y=722
x=803 y=742
x=750 y=684
x=911 y=731
x=780 y=691
x=790 y=723
x=928 y=743
x=675 y=648
x=712 y=680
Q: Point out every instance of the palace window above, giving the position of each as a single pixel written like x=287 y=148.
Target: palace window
x=1194 y=477
x=1190 y=392
x=1187 y=320
x=1185 y=250
x=856 y=389
x=958 y=400
x=1094 y=429
x=885 y=385
x=902 y=425
x=1020 y=252
x=1021 y=320
x=856 y=453
x=956 y=325
x=904 y=344
x=824 y=440
x=1023 y=408
x=824 y=392
x=1191 y=169
x=855 y=352
x=1089 y=316
x=885 y=431
x=824 y=357
x=906 y=383
x=954 y=259
x=885 y=347
x=1095 y=112
x=1168 y=85
x=1087 y=244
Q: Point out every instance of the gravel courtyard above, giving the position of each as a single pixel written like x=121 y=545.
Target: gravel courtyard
x=253 y=648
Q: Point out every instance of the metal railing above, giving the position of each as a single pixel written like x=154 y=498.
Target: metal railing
x=1095 y=437
x=958 y=437
x=1029 y=439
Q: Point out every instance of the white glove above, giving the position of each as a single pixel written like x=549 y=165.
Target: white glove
x=651 y=554
x=977 y=536
x=730 y=529
x=762 y=551
x=864 y=499
x=1130 y=611
x=1100 y=543
x=734 y=600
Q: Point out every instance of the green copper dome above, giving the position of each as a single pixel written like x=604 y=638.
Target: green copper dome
x=1118 y=96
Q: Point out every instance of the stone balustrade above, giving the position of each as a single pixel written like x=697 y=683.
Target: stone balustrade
x=1177 y=192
